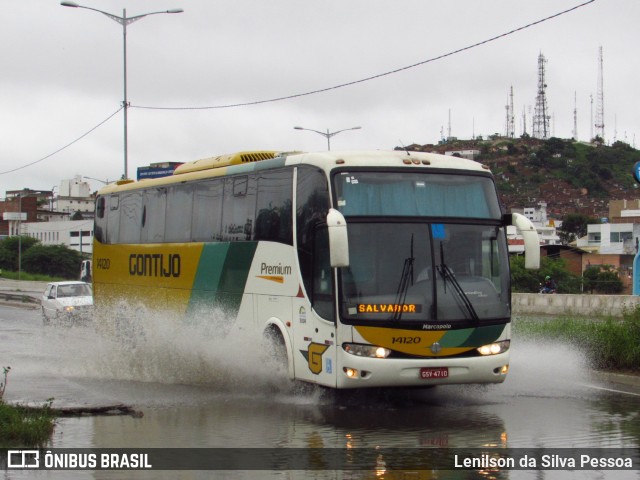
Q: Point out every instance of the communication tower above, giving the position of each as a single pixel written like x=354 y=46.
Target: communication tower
x=575 y=116
x=510 y=121
x=600 y=100
x=541 y=114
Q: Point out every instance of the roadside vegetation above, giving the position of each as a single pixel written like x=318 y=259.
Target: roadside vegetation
x=600 y=279
x=22 y=426
x=37 y=261
x=609 y=344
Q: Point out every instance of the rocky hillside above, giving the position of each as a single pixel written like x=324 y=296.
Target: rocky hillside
x=571 y=177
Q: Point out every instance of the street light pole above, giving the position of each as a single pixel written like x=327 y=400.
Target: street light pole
x=327 y=134
x=124 y=21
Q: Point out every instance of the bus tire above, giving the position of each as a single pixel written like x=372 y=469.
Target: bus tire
x=276 y=349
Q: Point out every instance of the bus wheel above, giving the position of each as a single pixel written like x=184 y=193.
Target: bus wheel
x=276 y=351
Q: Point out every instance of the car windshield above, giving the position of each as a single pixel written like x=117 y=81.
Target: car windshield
x=75 y=290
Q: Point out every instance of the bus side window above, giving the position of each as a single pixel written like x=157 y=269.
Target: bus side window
x=322 y=295
x=179 y=205
x=130 y=217
x=312 y=205
x=207 y=211
x=239 y=210
x=113 y=219
x=153 y=219
x=100 y=219
x=273 y=211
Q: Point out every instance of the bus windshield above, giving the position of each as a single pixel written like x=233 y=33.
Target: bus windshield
x=418 y=268
x=366 y=193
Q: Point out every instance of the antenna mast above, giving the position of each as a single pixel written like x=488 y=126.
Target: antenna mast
x=600 y=99
x=575 y=116
x=541 y=112
x=541 y=115
x=510 y=121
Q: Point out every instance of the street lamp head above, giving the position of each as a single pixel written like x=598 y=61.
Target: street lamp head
x=69 y=4
x=298 y=128
x=175 y=10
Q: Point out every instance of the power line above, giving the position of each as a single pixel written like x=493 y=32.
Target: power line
x=373 y=77
x=313 y=92
x=66 y=146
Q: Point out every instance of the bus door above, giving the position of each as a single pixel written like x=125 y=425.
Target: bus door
x=314 y=343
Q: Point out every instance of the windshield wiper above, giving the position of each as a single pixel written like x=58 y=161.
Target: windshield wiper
x=406 y=280
x=447 y=274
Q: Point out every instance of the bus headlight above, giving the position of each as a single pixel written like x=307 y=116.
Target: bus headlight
x=494 y=348
x=372 y=351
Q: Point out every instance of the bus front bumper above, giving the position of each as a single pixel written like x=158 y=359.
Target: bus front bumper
x=364 y=372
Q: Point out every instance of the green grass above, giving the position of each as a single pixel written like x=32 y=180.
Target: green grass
x=25 y=426
x=22 y=426
x=611 y=343
x=31 y=277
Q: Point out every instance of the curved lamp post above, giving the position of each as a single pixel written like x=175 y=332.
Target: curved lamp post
x=124 y=21
x=327 y=134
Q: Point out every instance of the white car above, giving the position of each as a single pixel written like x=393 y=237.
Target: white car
x=68 y=302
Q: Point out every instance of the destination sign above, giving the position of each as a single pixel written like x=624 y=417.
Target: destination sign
x=389 y=308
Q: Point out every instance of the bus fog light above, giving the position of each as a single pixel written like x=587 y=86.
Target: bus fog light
x=366 y=350
x=350 y=372
x=494 y=348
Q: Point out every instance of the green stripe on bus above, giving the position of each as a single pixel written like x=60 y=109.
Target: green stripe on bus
x=455 y=338
x=484 y=335
x=221 y=276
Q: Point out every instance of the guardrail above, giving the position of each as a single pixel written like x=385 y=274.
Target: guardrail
x=19 y=298
x=566 y=304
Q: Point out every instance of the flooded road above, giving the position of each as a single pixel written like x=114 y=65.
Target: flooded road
x=194 y=392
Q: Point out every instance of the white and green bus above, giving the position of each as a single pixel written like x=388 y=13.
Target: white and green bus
x=366 y=269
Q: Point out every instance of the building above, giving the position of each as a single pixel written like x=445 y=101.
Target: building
x=75 y=234
x=611 y=238
x=546 y=228
x=75 y=196
x=25 y=202
x=614 y=245
x=38 y=214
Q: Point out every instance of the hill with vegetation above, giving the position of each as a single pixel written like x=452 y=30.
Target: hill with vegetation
x=570 y=176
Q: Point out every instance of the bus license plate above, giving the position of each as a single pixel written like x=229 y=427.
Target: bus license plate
x=434 y=372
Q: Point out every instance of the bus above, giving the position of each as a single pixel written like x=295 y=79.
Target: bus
x=364 y=269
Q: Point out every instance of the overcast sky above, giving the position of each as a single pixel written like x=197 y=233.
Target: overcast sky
x=62 y=75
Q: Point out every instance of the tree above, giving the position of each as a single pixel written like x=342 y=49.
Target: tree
x=602 y=279
x=574 y=225
x=52 y=260
x=529 y=281
x=9 y=250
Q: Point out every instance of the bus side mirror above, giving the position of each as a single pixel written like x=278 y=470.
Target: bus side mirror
x=530 y=236
x=338 y=239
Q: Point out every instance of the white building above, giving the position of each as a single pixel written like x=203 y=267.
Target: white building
x=75 y=196
x=547 y=229
x=610 y=238
x=75 y=234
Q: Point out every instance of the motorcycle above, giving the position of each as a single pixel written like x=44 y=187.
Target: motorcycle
x=547 y=289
